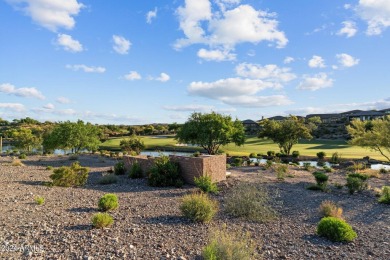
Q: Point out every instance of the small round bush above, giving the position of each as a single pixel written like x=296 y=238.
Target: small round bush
x=321 y=155
x=22 y=156
x=49 y=168
x=198 y=207
x=330 y=209
x=238 y=161
x=108 y=202
x=252 y=155
x=119 y=168
x=355 y=184
x=205 y=184
x=39 y=200
x=385 y=195
x=336 y=230
x=321 y=178
x=101 y=220
x=295 y=154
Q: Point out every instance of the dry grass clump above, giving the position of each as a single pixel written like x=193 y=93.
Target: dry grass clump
x=330 y=209
x=17 y=162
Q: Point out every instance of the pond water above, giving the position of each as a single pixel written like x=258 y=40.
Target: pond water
x=155 y=153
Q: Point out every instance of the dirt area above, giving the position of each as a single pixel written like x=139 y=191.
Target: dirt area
x=149 y=225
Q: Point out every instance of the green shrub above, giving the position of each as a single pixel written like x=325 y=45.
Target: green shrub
x=22 y=156
x=39 y=200
x=198 y=207
x=327 y=169
x=196 y=154
x=321 y=155
x=252 y=155
x=356 y=182
x=268 y=164
x=385 y=195
x=205 y=184
x=225 y=245
x=260 y=155
x=271 y=153
x=238 y=161
x=228 y=166
x=249 y=201
x=108 y=202
x=330 y=209
x=119 y=168
x=164 y=173
x=307 y=166
x=101 y=220
x=338 y=185
x=336 y=230
x=363 y=177
x=49 y=168
x=336 y=158
x=295 y=154
x=320 y=163
x=136 y=171
x=108 y=179
x=383 y=171
x=321 y=178
x=72 y=176
x=281 y=171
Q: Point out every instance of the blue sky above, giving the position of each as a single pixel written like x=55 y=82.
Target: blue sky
x=138 y=62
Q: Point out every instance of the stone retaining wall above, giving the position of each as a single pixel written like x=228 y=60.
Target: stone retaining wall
x=190 y=167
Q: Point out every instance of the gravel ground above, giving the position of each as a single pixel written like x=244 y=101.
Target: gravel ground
x=148 y=223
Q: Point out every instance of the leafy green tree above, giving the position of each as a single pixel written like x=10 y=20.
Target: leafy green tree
x=210 y=131
x=73 y=136
x=173 y=127
x=374 y=135
x=148 y=129
x=285 y=133
x=24 y=138
x=132 y=145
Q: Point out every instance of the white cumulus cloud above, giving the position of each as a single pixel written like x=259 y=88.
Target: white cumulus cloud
x=257 y=101
x=315 y=82
x=316 y=62
x=151 y=15
x=85 y=68
x=121 y=44
x=288 y=60
x=225 y=28
x=12 y=106
x=270 y=72
x=189 y=108
x=68 y=43
x=21 y=92
x=63 y=100
x=349 y=29
x=346 y=60
x=163 y=77
x=51 y=14
x=216 y=55
x=132 y=75
x=49 y=106
x=376 y=13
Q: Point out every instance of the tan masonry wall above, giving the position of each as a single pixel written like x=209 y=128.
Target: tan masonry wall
x=190 y=167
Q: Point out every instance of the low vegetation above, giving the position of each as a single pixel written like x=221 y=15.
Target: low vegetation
x=119 y=168
x=205 y=184
x=281 y=171
x=136 y=171
x=102 y=220
x=224 y=245
x=39 y=200
x=251 y=202
x=108 y=179
x=198 y=207
x=321 y=181
x=72 y=176
x=385 y=195
x=108 y=202
x=330 y=209
x=356 y=182
x=164 y=173
x=336 y=230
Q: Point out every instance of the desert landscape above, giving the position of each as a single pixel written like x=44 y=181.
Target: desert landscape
x=149 y=224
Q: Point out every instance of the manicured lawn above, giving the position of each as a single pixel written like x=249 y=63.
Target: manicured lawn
x=256 y=145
